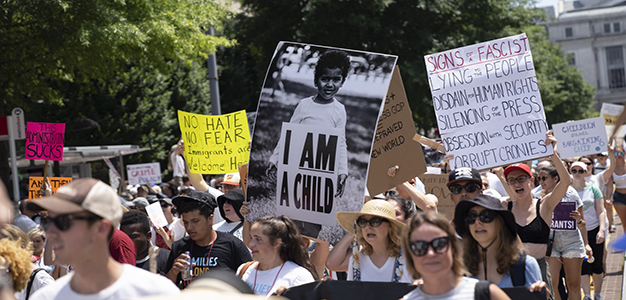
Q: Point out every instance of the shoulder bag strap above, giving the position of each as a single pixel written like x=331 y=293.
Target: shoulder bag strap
x=481 y=291
x=245 y=268
x=30 y=281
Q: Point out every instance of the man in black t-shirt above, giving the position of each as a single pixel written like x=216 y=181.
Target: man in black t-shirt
x=208 y=249
x=137 y=226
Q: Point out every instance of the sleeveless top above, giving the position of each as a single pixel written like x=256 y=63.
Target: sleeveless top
x=620 y=181
x=536 y=232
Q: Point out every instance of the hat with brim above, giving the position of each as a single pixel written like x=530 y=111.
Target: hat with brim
x=487 y=202
x=235 y=198
x=377 y=208
x=518 y=166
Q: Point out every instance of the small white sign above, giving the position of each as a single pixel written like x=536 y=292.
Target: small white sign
x=155 y=213
x=582 y=137
x=144 y=173
x=19 y=125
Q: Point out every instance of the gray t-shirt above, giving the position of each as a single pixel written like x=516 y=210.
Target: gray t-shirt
x=463 y=291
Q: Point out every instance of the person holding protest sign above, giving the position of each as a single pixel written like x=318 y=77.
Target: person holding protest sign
x=413 y=189
x=280 y=258
x=377 y=255
x=595 y=217
x=436 y=256
x=324 y=109
x=492 y=250
x=533 y=215
x=569 y=246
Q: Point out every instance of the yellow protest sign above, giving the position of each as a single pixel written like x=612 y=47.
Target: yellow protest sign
x=34 y=185
x=215 y=144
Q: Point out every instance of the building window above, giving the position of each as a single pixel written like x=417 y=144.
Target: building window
x=615 y=65
x=569 y=32
x=607 y=27
x=571 y=59
x=617 y=27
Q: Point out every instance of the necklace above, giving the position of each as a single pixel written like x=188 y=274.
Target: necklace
x=484 y=250
x=208 y=255
x=275 y=278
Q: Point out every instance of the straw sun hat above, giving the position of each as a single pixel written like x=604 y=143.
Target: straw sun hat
x=378 y=208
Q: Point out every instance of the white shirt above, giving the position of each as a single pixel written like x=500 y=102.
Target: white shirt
x=228 y=227
x=370 y=272
x=133 y=283
x=266 y=282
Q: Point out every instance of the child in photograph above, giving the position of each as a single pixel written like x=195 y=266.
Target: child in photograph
x=324 y=109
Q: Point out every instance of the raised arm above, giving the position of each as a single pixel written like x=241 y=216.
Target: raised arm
x=608 y=173
x=551 y=200
x=339 y=258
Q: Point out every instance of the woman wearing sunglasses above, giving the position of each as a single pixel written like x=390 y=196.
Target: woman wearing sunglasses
x=435 y=254
x=618 y=164
x=569 y=246
x=595 y=217
x=492 y=251
x=532 y=215
x=376 y=255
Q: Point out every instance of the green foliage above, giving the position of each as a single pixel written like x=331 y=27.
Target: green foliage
x=407 y=28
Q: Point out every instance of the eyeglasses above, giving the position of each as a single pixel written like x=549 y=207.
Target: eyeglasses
x=470 y=188
x=390 y=193
x=374 y=222
x=543 y=178
x=62 y=222
x=439 y=245
x=618 y=153
x=485 y=216
x=520 y=180
x=581 y=171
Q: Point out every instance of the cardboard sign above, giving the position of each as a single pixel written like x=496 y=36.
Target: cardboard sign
x=436 y=184
x=243 y=175
x=331 y=92
x=35 y=182
x=393 y=143
x=44 y=141
x=610 y=113
x=582 y=137
x=560 y=216
x=155 y=213
x=487 y=103
x=144 y=173
x=215 y=144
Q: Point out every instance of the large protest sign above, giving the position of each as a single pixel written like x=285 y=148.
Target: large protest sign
x=610 y=113
x=333 y=92
x=582 y=137
x=44 y=141
x=215 y=144
x=487 y=103
x=144 y=173
x=393 y=143
x=436 y=184
x=35 y=182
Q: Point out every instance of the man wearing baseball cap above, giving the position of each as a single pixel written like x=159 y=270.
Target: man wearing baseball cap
x=80 y=222
x=464 y=184
x=207 y=248
x=231 y=182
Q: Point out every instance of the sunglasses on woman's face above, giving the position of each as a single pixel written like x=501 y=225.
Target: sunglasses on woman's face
x=470 y=188
x=618 y=153
x=581 y=171
x=485 y=216
x=374 y=222
x=439 y=245
x=543 y=178
x=62 y=222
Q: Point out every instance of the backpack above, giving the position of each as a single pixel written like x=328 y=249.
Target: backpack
x=518 y=271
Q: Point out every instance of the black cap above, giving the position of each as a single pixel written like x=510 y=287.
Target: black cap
x=235 y=198
x=464 y=173
x=200 y=196
x=487 y=202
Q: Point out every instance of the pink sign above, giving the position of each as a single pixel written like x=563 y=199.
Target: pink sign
x=44 y=141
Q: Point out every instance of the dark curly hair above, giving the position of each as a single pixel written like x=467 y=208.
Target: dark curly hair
x=331 y=60
x=136 y=217
x=292 y=248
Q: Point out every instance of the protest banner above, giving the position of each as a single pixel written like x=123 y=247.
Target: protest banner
x=561 y=219
x=487 y=103
x=331 y=92
x=44 y=141
x=155 y=214
x=436 y=184
x=35 y=182
x=582 y=137
x=215 y=144
x=393 y=142
x=144 y=173
x=610 y=114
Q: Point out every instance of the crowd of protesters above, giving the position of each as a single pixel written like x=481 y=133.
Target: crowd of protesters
x=85 y=240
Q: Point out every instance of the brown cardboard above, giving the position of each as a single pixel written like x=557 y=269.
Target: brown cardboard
x=436 y=184
x=393 y=142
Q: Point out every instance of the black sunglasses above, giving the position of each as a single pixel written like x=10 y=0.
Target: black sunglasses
x=374 y=222
x=62 y=222
x=470 y=188
x=581 y=171
x=439 y=245
x=485 y=216
x=543 y=178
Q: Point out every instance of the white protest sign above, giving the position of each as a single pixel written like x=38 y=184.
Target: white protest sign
x=610 y=113
x=487 y=103
x=582 y=137
x=144 y=173
x=155 y=213
x=307 y=173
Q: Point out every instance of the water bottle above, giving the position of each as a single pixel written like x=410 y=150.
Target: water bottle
x=590 y=259
x=186 y=273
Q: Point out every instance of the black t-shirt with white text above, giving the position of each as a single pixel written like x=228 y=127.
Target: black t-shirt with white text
x=228 y=252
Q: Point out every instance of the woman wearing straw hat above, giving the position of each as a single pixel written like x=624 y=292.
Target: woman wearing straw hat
x=492 y=251
x=378 y=256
